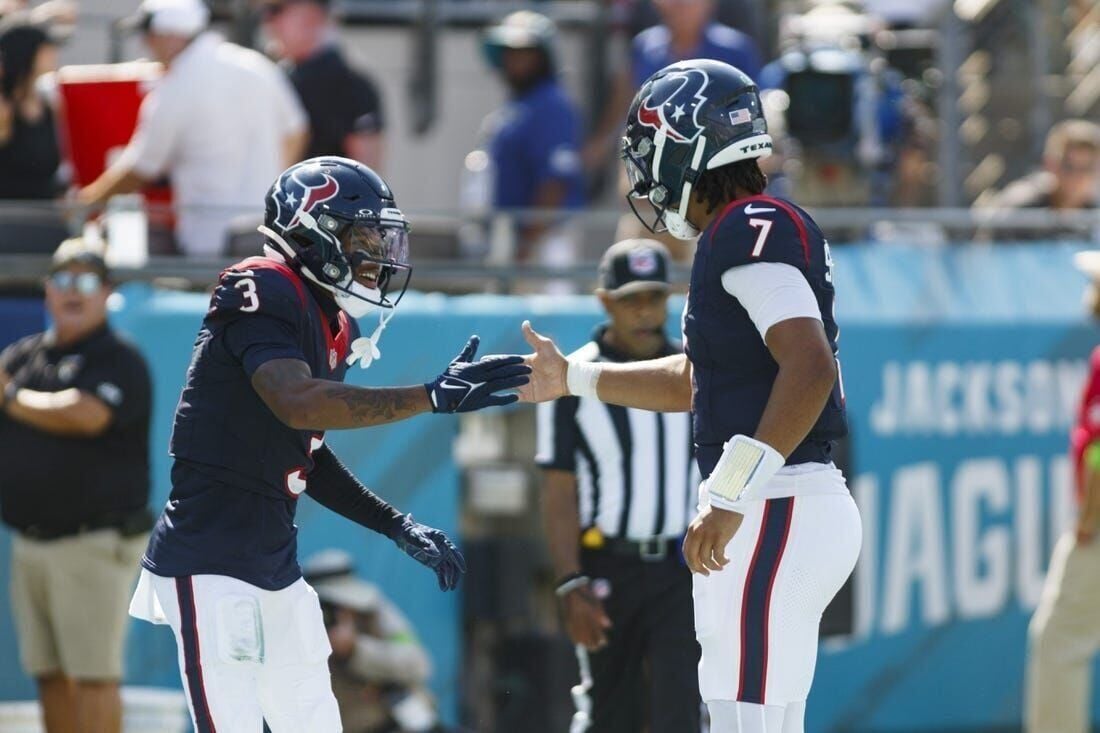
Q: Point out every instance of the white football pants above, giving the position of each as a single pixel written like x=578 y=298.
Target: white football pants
x=246 y=655
x=757 y=619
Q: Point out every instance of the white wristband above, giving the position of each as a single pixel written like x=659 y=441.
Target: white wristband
x=581 y=378
x=743 y=470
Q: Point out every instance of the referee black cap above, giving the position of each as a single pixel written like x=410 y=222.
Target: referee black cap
x=634 y=265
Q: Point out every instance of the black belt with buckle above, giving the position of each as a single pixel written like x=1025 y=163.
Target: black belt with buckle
x=653 y=549
x=128 y=524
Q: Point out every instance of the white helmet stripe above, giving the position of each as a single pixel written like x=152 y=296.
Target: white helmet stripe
x=696 y=159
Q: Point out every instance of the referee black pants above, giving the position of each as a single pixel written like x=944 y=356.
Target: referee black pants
x=646 y=677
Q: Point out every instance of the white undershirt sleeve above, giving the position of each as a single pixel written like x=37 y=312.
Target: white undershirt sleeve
x=771 y=292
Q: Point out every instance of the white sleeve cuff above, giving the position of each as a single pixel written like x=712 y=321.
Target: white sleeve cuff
x=771 y=292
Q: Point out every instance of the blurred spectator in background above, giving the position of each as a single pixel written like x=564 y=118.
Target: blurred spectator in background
x=74 y=442
x=344 y=105
x=687 y=31
x=1064 y=634
x=534 y=139
x=29 y=151
x=379 y=668
x=746 y=16
x=614 y=535
x=1068 y=181
x=222 y=124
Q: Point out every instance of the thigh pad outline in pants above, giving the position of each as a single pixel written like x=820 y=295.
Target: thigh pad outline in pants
x=757 y=620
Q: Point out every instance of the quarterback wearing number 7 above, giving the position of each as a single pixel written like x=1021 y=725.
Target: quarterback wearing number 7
x=777 y=532
x=265 y=383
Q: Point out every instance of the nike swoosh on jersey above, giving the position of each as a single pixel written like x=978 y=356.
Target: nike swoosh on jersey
x=763 y=210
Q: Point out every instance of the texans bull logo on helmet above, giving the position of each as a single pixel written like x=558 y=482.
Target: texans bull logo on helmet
x=674 y=104
x=300 y=191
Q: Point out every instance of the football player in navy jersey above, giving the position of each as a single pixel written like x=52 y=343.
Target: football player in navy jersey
x=777 y=532
x=264 y=384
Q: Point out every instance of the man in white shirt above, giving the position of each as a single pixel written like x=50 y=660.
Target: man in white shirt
x=221 y=124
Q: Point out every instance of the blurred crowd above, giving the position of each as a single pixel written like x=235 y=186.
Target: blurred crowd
x=849 y=90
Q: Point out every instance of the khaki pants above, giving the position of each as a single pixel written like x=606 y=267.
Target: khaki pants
x=69 y=599
x=1064 y=636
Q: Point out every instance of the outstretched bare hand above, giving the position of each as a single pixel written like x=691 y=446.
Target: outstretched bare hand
x=548 y=367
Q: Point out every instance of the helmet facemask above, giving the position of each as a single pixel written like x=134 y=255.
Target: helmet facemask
x=376 y=255
x=643 y=160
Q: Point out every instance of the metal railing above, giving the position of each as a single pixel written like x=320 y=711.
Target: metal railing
x=451 y=267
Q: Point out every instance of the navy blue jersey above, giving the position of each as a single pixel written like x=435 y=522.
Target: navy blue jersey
x=732 y=369
x=239 y=469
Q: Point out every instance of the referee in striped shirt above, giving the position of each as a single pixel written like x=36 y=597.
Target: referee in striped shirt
x=619 y=491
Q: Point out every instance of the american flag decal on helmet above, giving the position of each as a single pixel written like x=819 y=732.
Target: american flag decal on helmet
x=740 y=116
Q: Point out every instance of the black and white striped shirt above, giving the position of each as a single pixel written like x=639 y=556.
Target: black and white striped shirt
x=636 y=477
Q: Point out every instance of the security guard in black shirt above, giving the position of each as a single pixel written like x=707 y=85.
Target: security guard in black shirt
x=74 y=443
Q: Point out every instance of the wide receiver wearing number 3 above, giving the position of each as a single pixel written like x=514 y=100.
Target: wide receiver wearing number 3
x=263 y=386
x=777 y=532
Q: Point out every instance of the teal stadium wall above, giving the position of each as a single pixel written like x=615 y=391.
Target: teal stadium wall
x=962 y=370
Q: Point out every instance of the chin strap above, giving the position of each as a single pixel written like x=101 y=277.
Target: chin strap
x=365 y=349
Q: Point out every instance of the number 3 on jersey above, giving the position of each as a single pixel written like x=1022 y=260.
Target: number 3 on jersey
x=247 y=286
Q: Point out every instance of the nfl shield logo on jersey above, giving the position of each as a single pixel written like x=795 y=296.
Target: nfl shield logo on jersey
x=332 y=359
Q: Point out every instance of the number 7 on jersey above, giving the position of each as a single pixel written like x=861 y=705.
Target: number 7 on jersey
x=765 y=226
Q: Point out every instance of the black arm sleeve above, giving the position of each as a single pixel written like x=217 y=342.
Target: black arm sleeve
x=332 y=485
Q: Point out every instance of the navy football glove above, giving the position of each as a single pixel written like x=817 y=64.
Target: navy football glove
x=432 y=548
x=469 y=385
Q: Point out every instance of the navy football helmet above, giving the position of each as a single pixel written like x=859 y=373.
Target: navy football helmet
x=689 y=117
x=338 y=221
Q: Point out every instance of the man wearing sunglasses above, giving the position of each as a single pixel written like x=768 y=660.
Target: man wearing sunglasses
x=265 y=383
x=74 y=443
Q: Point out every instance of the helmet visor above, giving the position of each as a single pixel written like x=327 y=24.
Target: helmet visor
x=378 y=256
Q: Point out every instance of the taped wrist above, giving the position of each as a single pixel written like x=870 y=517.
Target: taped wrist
x=581 y=378
x=743 y=470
